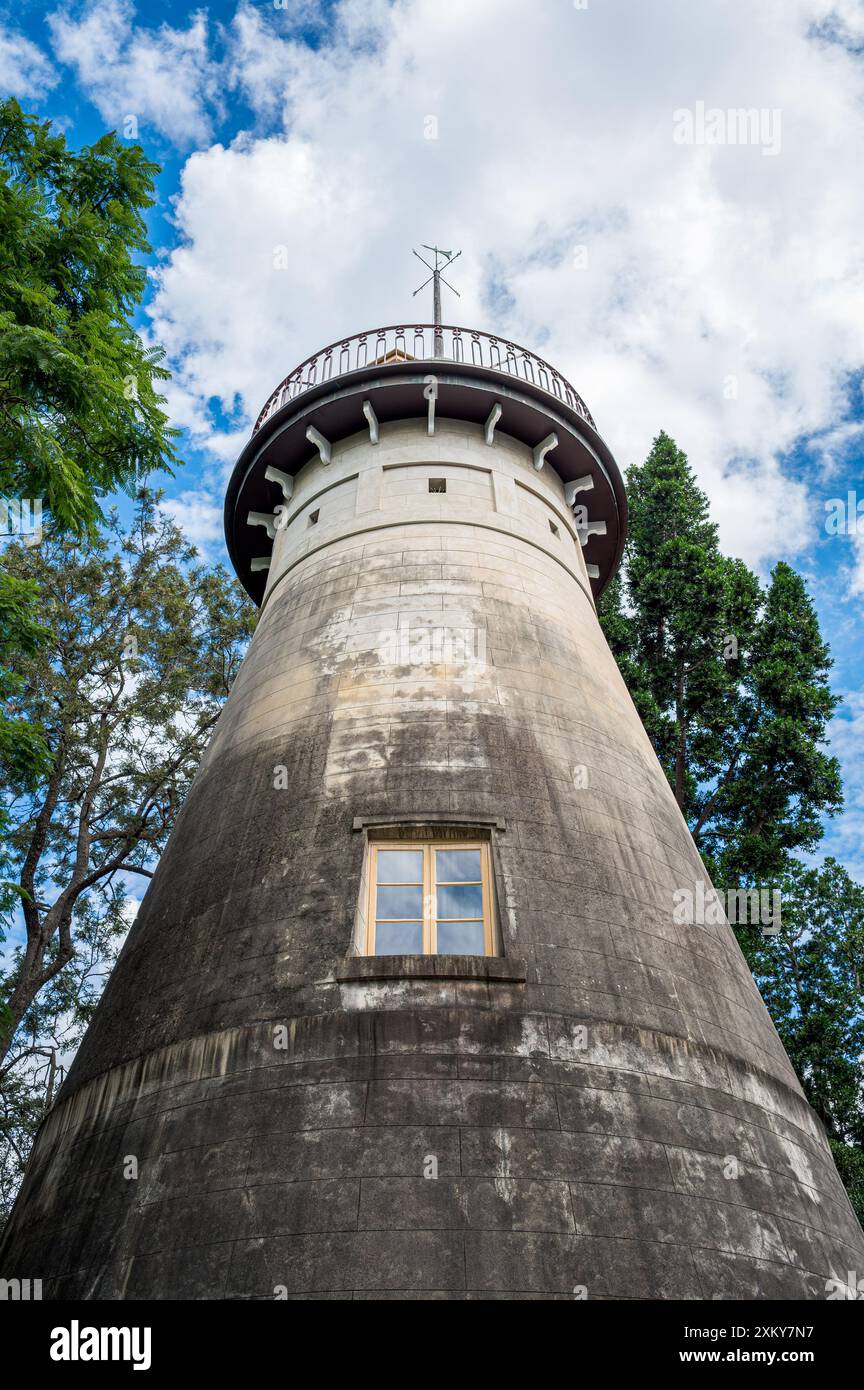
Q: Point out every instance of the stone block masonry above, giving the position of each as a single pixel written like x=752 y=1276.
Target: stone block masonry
x=603 y=1111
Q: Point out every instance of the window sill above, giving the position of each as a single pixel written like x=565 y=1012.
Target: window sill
x=490 y=968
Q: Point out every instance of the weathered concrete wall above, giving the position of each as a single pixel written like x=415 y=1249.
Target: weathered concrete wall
x=609 y=1107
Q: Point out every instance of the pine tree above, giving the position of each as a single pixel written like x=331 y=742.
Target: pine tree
x=730 y=680
x=785 y=783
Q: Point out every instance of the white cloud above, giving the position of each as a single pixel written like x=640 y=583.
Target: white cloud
x=198 y=515
x=161 y=78
x=130 y=908
x=722 y=297
x=24 y=69
x=263 y=54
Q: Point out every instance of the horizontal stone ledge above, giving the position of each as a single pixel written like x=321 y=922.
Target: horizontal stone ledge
x=98 y=1101
x=432 y=818
x=489 y=968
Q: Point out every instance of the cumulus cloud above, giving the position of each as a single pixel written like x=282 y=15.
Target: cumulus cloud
x=264 y=51
x=706 y=289
x=24 y=69
x=162 y=78
x=198 y=514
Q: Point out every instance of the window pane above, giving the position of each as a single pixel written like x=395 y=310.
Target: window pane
x=400 y=866
x=406 y=901
x=466 y=900
x=399 y=939
x=457 y=865
x=461 y=939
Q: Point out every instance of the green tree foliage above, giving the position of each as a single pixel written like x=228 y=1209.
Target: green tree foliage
x=144 y=647
x=116 y=650
x=80 y=412
x=52 y=1029
x=784 y=782
x=850 y=1165
x=24 y=755
x=23 y=750
x=811 y=977
x=731 y=680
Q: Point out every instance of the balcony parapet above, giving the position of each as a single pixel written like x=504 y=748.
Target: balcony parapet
x=422 y=342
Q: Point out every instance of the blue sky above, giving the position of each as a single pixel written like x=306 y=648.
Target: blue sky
x=684 y=277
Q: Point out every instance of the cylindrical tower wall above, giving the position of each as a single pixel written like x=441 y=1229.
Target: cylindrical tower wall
x=603 y=1105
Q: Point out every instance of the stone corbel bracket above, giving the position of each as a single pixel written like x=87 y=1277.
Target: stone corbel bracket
x=323 y=445
x=589 y=529
x=543 y=448
x=266 y=519
x=492 y=420
x=584 y=484
x=285 y=481
x=372 y=421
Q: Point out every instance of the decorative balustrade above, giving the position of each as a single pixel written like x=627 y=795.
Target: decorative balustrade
x=423 y=342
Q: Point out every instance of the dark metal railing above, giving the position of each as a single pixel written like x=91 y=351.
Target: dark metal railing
x=423 y=342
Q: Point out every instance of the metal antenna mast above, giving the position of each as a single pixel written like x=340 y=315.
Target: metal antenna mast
x=435 y=280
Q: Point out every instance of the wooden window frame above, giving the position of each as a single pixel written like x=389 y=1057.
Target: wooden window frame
x=428 y=849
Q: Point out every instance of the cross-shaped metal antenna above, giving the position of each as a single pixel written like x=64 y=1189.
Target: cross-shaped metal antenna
x=435 y=279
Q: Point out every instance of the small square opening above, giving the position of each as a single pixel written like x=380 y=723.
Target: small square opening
x=553 y=528
x=313 y=517
x=437 y=484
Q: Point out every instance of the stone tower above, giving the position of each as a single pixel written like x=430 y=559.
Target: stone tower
x=406 y=1012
